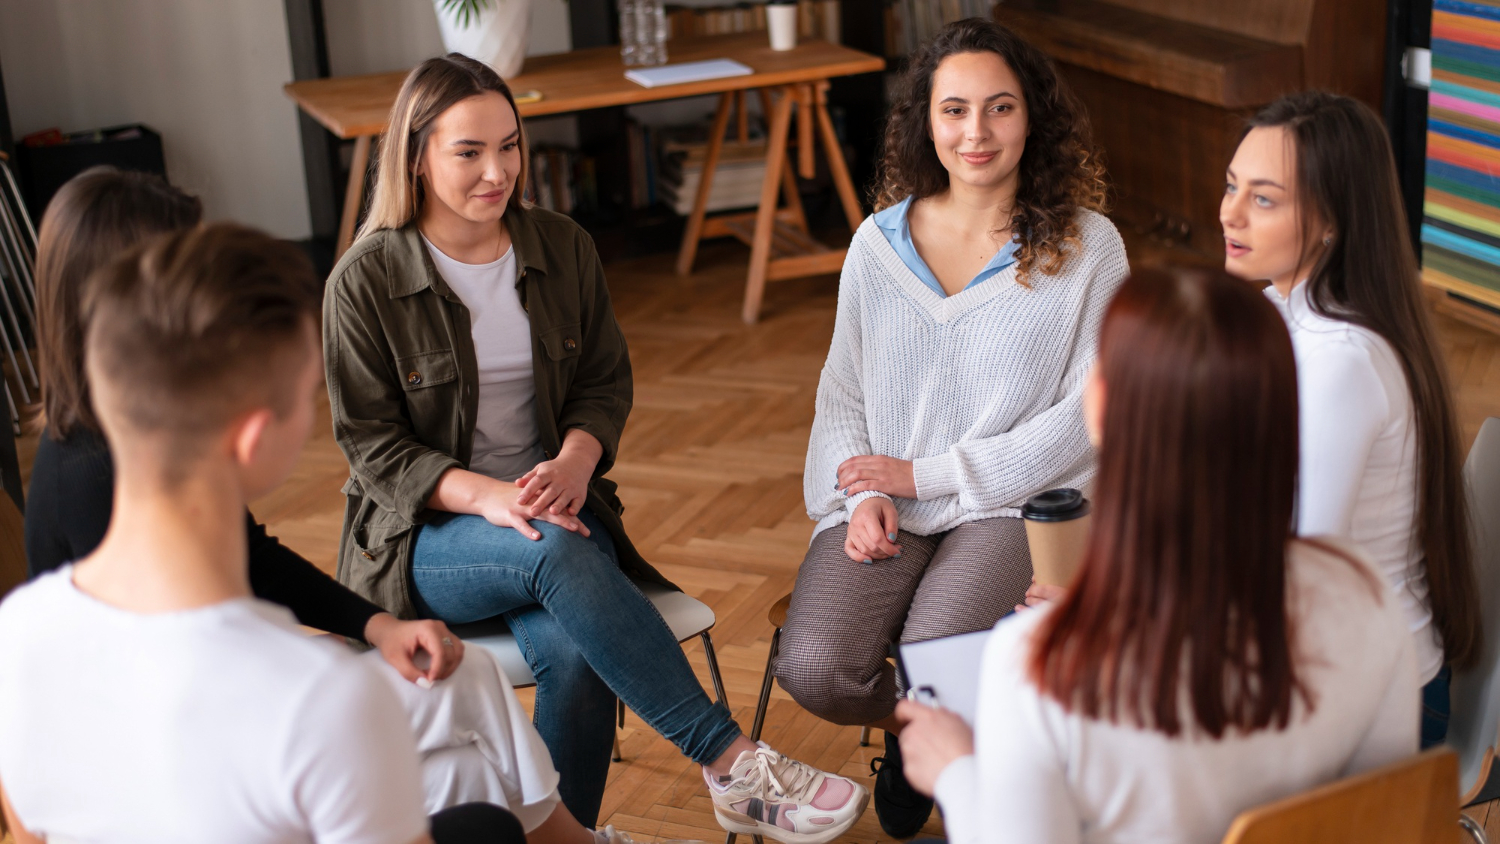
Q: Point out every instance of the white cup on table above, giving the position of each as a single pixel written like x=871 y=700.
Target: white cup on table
x=781 y=21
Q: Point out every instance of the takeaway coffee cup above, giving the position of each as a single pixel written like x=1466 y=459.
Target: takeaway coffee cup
x=1057 y=529
x=781 y=20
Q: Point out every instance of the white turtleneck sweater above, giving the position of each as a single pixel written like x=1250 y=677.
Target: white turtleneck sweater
x=1358 y=475
x=982 y=390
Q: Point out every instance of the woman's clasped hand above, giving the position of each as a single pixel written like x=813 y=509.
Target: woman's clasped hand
x=561 y=485
x=872 y=528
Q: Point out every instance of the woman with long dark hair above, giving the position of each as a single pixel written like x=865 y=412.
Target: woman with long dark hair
x=1312 y=204
x=1203 y=661
x=968 y=311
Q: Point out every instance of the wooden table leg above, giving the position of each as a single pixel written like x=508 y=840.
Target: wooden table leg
x=807 y=166
x=836 y=164
x=354 y=193
x=694 y=231
x=793 y=199
x=765 y=215
x=742 y=116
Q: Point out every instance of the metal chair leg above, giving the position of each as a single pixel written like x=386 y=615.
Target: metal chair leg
x=864 y=736
x=713 y=669
x=619 y=725
x=760 y=711
x=765 y=687
x=1475 y=831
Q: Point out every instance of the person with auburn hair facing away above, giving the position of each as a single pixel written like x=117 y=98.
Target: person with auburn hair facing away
x=1313 y=205
x=144 y=695
x=479 y=385
x=1203 y=661
x=93 y=219
x=968 y=310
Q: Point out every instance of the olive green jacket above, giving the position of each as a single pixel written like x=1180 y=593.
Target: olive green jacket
x=403 y=385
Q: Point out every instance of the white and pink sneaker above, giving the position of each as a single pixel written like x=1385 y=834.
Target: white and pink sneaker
x=771 y=795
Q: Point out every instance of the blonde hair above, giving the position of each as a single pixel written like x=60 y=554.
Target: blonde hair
x=430 y=89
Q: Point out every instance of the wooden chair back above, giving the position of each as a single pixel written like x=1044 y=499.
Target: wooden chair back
x=1414 y=801
x=12 y=546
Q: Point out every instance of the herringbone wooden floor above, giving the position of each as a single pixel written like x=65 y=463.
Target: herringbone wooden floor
x=711 y=475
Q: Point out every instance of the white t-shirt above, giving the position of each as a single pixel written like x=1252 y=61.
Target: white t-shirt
x=507 y=443
x=220 y=724
x=1358 y=472
x=1041 y=773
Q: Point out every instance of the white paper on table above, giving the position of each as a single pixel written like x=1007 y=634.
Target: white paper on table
x=677 y=74
x=949 y=667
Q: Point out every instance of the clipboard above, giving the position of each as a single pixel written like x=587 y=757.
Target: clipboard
x=944 y=672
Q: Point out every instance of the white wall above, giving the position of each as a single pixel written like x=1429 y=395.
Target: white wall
x=207 y=74
x=372 y=36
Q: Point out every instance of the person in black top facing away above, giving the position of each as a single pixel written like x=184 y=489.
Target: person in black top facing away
x=96 y=216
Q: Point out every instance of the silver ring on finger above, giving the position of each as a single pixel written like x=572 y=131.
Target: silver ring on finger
x=447 y=642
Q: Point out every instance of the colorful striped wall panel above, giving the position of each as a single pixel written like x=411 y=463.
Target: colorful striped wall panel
x=1461 y=211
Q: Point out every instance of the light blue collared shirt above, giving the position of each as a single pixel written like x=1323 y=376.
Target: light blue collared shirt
x=894 y=225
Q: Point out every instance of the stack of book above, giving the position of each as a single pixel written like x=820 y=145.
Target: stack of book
x=737 y=178
x=816 y=19
x=641 y=143
x=562 y=180
x=910 y=23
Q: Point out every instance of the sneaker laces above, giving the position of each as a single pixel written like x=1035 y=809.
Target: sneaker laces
x=797 y=775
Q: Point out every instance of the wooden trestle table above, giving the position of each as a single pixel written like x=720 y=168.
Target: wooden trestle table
x=357 y=107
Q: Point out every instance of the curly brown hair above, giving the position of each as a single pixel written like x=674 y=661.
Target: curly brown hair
x=1060 y=170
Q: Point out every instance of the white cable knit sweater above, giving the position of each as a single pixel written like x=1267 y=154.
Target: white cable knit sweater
x=982 y=390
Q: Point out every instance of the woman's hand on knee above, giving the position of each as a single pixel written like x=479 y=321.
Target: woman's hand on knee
x=400 y=642
x=872 y=531
x=874 y=473
x=502 y=508
x=560 y=486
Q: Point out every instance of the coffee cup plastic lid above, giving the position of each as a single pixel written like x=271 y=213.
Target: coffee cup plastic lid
x=1056 y=505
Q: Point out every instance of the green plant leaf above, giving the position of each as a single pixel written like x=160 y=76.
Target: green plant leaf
x=464 y=11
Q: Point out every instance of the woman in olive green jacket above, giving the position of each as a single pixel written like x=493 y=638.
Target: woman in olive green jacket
x=479 y=386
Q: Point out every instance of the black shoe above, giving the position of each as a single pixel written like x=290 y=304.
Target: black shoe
x=902 y=810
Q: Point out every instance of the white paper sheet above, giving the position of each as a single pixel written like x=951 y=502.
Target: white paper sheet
x=677 y=74
x=949 y=667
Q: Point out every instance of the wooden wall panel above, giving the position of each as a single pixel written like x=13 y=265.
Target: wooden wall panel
x=1166 y=155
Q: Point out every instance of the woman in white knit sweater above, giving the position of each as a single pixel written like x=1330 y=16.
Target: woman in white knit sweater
x=968 y=312
x=1312 y=204
x=1203 y=661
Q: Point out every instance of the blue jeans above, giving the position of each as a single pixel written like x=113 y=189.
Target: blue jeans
x=1436 y=708
x=588 y=633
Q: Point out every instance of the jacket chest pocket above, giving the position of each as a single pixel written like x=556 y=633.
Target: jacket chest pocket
x=563 y=343
x=430 y=381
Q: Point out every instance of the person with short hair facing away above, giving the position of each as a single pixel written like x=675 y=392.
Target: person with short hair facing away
x=93 y=219
x=144 y=695
x=1203 y=661
x=1313 y=205
x=968 y=310
x=475 y=741
x=479 y=385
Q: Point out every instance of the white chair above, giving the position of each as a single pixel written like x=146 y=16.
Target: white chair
x=1475 y=722
x=685 y=615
